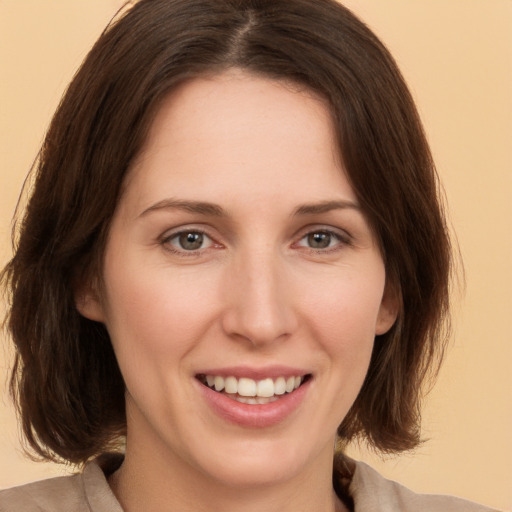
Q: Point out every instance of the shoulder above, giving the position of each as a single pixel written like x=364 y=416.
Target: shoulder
x=371 y=491
x=84 y=492
x=55 y=494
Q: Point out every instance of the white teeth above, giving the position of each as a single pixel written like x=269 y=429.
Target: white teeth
x=219 y=383
x=231 y=385
x=265 y=388
x=280 y=386
x=248 y=389
x=290 y=384
x=253 y=401
x=265 y=400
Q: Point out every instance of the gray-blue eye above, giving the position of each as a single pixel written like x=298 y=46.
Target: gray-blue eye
x=190 y=241
x=320 y=240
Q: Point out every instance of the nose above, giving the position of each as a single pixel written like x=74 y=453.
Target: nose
x=259 y=307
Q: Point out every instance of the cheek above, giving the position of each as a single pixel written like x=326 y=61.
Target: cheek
x=154 y=320
x=348 y=305
x=153 y=313
x=343 y=315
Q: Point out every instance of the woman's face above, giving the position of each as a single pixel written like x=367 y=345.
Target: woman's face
x=238 y=256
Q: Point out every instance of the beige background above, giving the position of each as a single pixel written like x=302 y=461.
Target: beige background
x=457 y=58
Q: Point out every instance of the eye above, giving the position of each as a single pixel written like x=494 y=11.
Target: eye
x=321 y=239
x=189 y=241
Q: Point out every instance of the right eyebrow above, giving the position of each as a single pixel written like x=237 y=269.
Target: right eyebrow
x=200 y=207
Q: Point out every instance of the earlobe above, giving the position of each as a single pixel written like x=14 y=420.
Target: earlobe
x=388 y=310
x=88 y=304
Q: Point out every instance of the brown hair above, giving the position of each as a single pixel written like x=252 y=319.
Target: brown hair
x=66 y=381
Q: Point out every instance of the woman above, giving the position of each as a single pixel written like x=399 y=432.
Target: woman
x=234 y=257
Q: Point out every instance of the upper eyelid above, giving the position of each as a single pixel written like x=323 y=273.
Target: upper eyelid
x=344 y=239
x=169 y=235
x=172 y=232
x=327 y=231
x=166 y=238
x=337 y=231
x=341 y=233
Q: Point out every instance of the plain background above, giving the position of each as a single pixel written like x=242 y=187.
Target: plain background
x=457 y=58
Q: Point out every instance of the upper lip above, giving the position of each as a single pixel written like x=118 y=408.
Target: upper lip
x=255 y=373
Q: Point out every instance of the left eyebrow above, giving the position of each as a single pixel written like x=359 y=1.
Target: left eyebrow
x=324 y=207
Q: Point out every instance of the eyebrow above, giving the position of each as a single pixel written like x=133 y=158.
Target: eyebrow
x=212 y=209
x=325 y=206
x=200 y=207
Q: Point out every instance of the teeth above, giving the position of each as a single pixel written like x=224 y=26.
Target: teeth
x=231 y=385
x=253 y=401
x=246 y=387
x=251 y=391
x=219 y=383
x=265 y=388
x=280 y=386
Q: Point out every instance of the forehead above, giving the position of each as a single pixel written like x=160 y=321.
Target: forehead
x=206 y=108
x=240 y=131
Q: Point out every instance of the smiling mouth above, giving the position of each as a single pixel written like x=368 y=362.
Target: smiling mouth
x=253 y=392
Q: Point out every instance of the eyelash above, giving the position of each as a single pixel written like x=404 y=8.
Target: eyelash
x=167 y=243
x=343 y=240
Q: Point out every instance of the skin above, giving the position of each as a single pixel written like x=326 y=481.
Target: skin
x=255 y=293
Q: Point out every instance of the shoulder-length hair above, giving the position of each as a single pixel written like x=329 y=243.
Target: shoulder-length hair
x=66 y=381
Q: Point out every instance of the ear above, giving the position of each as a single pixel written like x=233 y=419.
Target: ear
x=388 y=310
x=88 y=302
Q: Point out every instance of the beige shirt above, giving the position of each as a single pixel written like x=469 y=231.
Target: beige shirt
x=89 y=492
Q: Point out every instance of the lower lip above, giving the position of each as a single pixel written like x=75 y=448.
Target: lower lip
x=257 y=415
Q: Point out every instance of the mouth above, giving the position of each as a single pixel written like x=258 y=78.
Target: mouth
x=253 y=392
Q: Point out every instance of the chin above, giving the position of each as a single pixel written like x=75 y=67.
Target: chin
x=257 y=464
